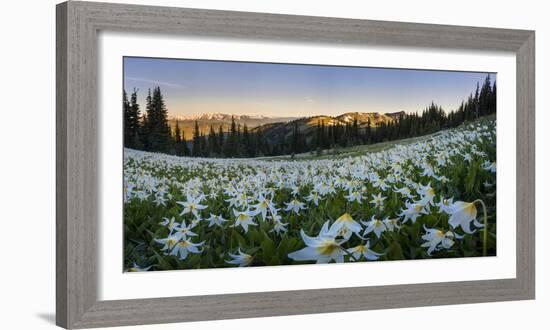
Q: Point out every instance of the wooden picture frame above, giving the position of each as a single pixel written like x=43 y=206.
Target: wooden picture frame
x=78 y=24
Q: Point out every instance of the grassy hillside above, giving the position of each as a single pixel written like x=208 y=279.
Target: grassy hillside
x=307 y=126
x=278 y=127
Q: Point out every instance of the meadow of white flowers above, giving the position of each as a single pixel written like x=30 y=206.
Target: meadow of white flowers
x=429 y=199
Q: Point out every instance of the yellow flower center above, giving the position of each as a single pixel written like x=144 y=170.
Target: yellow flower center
x=328 y=247
x=470 y=209
x=360 y=248
x=439 y=233
x=346 y=217
x=171 y=242
x=418 y=207
x=184 y=244
x=243 y=217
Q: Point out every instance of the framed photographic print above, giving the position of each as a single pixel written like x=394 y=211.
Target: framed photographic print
x=277 y=165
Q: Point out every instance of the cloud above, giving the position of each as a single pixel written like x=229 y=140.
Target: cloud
x=157 y=82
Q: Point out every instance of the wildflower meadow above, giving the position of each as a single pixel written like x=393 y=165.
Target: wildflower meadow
x=431 y=197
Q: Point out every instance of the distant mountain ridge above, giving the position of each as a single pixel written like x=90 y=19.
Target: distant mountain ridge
x=205 y=120
x=307 y=125
x=221 y=116
x=273 y=127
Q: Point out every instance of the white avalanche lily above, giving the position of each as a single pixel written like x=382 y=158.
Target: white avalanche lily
x=490 y=166
x=242 y=259
x=185 y=230
x=378 y=200
x=437 y=239
x=405 y=191
x=313 y=197
x=412 y=211
x=169 y=242
x=244 y=219
x=427 y=193
x=279 y=227
x=137 y=268
x=391 y=224
x=264 y=205
x=295 y=206
x=183 y=248
x=374 y=225
x=463 y=214
x=192 y=205
x=365 y=251
x=217 y=220
x=171 y=224
x=345 y=226
x=322 y=249
x=354 y=196
x=445 y=205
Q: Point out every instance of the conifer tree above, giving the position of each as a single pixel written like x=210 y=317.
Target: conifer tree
x=231 y=145
x=196 y=151
x=221 y=141
x=212 y=142
x=126 y=112
x=134 y=125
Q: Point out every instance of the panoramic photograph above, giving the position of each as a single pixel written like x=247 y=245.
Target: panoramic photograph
x=242 y=164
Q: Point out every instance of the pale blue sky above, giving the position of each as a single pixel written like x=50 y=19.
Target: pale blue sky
x=198 y=86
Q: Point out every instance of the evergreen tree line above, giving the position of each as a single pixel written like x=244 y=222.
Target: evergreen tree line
x=432 y=119
x=151 y=131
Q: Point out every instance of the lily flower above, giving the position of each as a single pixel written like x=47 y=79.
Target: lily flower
x=279 y=227
x=374 y=225
x=242 y=259
x=183 y=248
x=445 y=205
x=427 y=194
x=354 y=196
x=365 y=251
x=160 y=200
x=490 y=166
x=263 y=206
x=185 y=230
x=463 y=214
x=391 y=224
x=313 y=197
x=378 y=200
x=192 y=205
x=345 y=226
x=295 y=206
x=412 y=211
x=244 y=219
x=380 y=183
x=137 y=268
x=405 y=191
x=169 y=242
x=437 y=239
x=322 y=249
x=171 y=224
x=216 y=220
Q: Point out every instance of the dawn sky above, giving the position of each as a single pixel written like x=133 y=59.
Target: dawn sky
x=286 y=90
